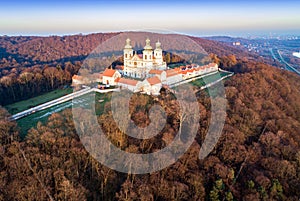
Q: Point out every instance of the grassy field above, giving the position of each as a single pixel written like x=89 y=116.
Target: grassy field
x=211 y=78
x=31 y=120
x=29 y=103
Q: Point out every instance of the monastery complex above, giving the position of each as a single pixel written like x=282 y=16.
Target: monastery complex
x=147 y=72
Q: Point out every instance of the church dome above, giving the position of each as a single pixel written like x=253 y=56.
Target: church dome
x=148 y=46
x=128 y=46
x=158 y=45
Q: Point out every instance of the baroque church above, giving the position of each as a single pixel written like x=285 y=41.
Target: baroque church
x=147 y=72
x=138 y=66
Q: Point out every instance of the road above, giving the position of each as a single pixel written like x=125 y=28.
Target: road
x=273 y=55
x=288 y=66
x=59 y=101
x=281 y=60
x=51 y=103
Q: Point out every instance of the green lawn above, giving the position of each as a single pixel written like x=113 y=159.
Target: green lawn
x=100 y=101
x=29 y=103
x=208 y=79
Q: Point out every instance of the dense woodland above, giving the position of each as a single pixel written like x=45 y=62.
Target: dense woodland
x=256 y=158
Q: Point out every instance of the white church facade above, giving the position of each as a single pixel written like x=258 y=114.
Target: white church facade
x=138 y=66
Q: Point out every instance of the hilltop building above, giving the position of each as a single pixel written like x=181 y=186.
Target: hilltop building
x=138 y=66
x=148 y=72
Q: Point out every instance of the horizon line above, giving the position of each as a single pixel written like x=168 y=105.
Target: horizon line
x=205 y=33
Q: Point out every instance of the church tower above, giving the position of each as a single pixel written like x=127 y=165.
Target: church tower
x=148 y=54
x=128 y=52
x=158 y=53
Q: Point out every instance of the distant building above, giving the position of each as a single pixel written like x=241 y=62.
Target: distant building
x=296 y=54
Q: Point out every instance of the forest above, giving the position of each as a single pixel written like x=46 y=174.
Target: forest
x=256 y=158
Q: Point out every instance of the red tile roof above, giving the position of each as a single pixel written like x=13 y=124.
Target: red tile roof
x=171 y=72
x=118 y=79
x=77 y=77
x=128 y=81
x=109 y=72
x=157 y=72
x=153 y=80
x=177 y=69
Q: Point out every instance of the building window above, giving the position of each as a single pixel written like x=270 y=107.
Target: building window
x=150 y=56
x=126 y=56
x=145 y=56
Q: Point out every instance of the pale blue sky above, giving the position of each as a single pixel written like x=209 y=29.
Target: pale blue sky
x=190 y=17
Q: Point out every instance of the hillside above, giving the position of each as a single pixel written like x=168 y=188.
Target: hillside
x=30 y=66
x=256 y=158
x=27 y=51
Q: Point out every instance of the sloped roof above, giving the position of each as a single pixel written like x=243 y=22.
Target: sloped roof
x=156 y=72
x=118 y=79
x=128 y=81
x=109 y=72
x=153 y=80
x=77 y=77
x=177 y=69
x=171 y=72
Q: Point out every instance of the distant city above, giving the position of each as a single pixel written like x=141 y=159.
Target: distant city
x=282 y=49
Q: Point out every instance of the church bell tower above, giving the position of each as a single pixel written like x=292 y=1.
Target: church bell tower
x=128 y=51
x=158 y=53
x=148 y=54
